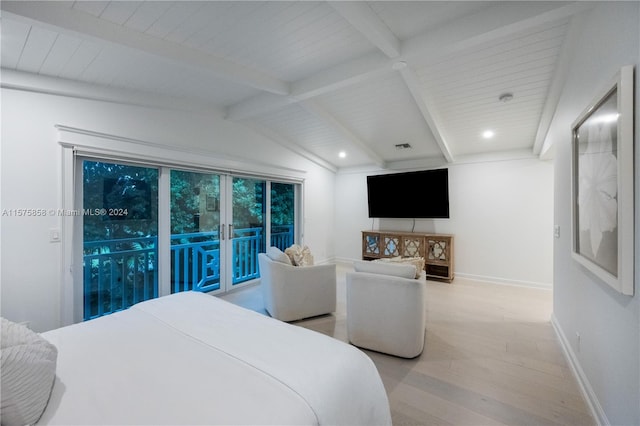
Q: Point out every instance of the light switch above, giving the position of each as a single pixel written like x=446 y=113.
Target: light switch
x=54 y=235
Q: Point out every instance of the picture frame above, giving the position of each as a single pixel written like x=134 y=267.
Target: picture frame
x=602 y=184
x=212 y=204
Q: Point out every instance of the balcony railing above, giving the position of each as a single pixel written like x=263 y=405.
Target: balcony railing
x=195 y=262
x=120 y=273
x=281 y=236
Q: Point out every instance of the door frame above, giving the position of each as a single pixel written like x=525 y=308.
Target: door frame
x=75 y=142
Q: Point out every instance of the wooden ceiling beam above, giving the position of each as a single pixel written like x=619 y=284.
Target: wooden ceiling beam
x=285 y=142
x=482 y=27
x=257 y=105
x=331 y=121
x=365 y=20
x=358 y=70
x=487 y=25
x=541 y=145
x=352 y=72
x=428 y=111
x=29 y=82
x=60 y=17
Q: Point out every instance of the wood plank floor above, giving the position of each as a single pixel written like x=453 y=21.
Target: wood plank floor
x=491 y=358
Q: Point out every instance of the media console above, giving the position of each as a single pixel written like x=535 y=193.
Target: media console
x=436 y=249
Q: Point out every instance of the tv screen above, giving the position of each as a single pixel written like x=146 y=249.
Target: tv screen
x=423 y=194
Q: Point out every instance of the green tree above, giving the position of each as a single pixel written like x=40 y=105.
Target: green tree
x=282 y=204
x=128 y=196
x=248 y=203
x=195 y=201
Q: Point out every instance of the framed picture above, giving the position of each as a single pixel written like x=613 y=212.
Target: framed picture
x=602 y=184
x=212 y=204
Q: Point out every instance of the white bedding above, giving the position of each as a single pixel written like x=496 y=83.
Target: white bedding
x=190 y=358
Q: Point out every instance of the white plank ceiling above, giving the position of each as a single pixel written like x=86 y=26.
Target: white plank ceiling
x=318 y=77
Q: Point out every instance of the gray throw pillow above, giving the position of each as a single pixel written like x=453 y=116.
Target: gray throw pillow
x=277 y=255
x=27 y=374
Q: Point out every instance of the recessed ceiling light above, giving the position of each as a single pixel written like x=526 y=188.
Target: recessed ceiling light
x=488 y=134
x=342 y=154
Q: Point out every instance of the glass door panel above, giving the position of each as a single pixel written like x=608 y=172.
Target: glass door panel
x=248 y=230
x=120 y=236
x=282 y=215
x=213 y=227
x=195 y=225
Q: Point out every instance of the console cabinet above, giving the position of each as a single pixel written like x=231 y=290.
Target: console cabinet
x=436 y=249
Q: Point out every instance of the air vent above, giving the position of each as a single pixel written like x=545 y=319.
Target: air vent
x=403 y=146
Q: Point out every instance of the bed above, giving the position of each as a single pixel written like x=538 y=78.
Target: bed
x=191 y=358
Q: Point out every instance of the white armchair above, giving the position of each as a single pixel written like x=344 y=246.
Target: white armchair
x=295 y=292
x=386 y=308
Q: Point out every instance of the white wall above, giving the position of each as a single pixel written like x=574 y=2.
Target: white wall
x=501 y=217
x=608 y=323
x=319 y=216
x=31 y=178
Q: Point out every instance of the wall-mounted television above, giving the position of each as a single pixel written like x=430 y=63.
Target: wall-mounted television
x=422 y=194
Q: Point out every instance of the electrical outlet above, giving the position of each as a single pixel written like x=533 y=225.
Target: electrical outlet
x=556 y=231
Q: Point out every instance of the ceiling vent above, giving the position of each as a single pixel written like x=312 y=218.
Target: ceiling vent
x=403 y=146
x=505 y=97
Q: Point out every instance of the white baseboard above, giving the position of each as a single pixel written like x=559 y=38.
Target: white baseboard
x=345 y=260
x=325 y=261
x=506 y=281
x=483 y=278
x=583 y=382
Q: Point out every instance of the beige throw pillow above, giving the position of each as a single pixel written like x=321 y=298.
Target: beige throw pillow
x=300 y=256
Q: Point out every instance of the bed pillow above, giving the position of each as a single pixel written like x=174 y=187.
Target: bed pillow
x=27 y=374
x=277 y=255
x=385 y=268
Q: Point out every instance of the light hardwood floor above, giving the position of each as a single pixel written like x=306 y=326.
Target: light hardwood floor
x=491 y=358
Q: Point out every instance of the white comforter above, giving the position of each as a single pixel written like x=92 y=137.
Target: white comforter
x=190 y=358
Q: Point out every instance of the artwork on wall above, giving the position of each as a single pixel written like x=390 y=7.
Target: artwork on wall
x=602 y=184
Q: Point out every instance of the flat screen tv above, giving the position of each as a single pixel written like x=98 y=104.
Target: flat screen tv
x=422 y=194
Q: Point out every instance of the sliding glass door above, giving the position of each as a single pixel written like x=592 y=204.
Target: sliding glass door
x=282 y=214
x=195 y=231
x=247 y=232
x=120 y=236
x=151 y=231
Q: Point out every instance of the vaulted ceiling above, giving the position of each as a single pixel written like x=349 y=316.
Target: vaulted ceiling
x=362 y=78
